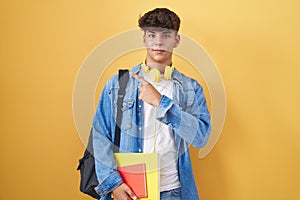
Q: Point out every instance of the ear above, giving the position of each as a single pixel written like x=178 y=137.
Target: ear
x=177 y=40
x=144 y=39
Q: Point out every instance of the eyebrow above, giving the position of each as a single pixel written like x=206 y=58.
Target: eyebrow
x=165 y=32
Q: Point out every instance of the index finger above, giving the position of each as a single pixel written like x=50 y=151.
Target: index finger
x=139 y=79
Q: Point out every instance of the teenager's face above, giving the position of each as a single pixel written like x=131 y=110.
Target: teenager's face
x=160 y=45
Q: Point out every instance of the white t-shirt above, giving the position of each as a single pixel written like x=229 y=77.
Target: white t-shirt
x=159 y=138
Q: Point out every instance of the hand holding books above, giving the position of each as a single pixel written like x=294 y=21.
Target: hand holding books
x=123 y=192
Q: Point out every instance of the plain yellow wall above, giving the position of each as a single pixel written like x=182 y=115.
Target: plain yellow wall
x=255 y=45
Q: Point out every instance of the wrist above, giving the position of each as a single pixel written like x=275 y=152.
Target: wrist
x=157 y=101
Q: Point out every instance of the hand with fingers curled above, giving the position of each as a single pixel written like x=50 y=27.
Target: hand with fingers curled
x=123 y=192
x=148 y=93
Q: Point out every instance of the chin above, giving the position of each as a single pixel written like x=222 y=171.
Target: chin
x=159 y=60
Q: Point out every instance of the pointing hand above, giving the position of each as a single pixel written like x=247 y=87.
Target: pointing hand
x=147 y=92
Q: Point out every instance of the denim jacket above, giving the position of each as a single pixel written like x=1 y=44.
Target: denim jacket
x=186 y=114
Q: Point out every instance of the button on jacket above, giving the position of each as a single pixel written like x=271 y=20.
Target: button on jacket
x=186 y=114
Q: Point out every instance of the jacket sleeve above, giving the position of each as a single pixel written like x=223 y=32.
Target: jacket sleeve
x=105 y=164
x=192 y=123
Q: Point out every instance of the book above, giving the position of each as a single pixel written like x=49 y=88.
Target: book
x=150 y=160
x=135 y=177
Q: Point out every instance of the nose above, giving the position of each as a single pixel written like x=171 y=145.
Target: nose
x=158 y=40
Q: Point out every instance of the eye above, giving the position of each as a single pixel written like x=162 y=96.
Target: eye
x=151 y=35
x=167 y=35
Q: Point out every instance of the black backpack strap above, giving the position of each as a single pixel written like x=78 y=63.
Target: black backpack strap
x=123 y=80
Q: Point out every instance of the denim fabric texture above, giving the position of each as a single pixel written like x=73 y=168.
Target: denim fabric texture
x=171 y=195
x=186 y=114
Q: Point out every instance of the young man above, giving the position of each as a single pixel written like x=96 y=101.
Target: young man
x=163 y=111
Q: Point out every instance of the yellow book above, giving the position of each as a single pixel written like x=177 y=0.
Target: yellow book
x=152 y=170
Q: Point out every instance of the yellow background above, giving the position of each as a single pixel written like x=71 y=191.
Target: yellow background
x=255 y=45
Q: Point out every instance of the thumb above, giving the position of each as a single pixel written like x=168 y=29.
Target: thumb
x=131 y=194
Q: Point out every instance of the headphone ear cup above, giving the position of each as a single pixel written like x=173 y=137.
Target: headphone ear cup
x=168 y=73
x=154 y=75
x=145 y=68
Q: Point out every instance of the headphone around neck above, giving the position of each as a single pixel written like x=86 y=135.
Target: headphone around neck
x=154 y=73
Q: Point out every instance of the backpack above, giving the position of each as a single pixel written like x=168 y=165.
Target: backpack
x=88 y=177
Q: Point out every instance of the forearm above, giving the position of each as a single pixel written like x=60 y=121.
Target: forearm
x=105 y=164
x=192 y=126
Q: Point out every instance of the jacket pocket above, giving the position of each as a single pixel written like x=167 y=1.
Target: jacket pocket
x=127 y=111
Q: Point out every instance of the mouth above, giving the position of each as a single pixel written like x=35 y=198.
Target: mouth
x=158 y=51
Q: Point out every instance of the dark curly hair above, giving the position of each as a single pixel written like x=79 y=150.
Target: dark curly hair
x=160 y=18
